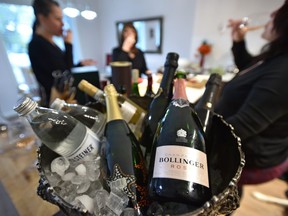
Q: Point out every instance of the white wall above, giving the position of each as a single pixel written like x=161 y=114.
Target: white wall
x=186 y=24
x=102 y=33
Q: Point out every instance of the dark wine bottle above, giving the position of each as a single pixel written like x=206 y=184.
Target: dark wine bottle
x=159 y=103
x=149 y=92
x=205 y=106
x=123 y=154
x=178 y=168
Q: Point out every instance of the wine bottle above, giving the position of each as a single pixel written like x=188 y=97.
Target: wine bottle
x=123 y=153
x=59 y=131
x=90 y=117
x=131 y=112
x=149 y=92
x=159 y=103
x=178 y=166
x=205 y=106
x=135 y=89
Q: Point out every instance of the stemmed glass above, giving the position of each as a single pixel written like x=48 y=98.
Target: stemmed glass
x=250 y=22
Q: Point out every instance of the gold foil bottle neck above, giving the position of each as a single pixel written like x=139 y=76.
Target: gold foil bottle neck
x=113 y=109
x=88 y=88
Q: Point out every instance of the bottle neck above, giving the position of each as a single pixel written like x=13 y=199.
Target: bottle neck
x=169 y=71
x=180 y=89
x=150 y=83
x=207 y=101
x=91 y=90
x=111 y=98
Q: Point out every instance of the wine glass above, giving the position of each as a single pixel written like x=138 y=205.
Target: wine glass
x=250 y=22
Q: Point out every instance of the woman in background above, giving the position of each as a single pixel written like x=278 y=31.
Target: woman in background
x=45 y=56
x=255 y=102
x=127 y=51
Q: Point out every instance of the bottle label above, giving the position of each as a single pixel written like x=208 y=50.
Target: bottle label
x=90 y=145
x=128 y=111
x=182 y=163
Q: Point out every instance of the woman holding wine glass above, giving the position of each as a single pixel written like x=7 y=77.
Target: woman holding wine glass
x=255 y=101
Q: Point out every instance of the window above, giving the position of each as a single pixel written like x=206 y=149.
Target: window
x=16 y=30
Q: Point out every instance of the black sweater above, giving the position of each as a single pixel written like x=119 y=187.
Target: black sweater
x=45 y=58
x=256 y=105
x=137 y=63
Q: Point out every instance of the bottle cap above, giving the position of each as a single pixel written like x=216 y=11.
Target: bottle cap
x=25 y=105
x=215 y=79
x=87 y=88
x=57 y=104
x=110 y=90
x=172 y=59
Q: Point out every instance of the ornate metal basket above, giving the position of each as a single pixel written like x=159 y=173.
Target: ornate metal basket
x=226 y=161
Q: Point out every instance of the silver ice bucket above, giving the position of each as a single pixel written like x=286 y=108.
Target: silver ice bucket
x=226 y=161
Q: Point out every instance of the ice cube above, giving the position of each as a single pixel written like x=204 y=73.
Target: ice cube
x=101 y=198
x=92 y=174
x=53 y=179
x=115 y=203
x=59 y=165
x=81 y=169
x=86 y=201
x=68 y=176
x=78 y=179
x=82 y=188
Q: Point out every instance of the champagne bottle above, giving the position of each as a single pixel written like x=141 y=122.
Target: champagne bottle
x=178 y=167
x=124 y=156
x=60 y=132
x=159 y=103
x=205 y=106
x=92 y=118
x=135 y=90
x=131 y=112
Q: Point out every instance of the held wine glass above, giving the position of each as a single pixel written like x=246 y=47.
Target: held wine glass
x=250 y=22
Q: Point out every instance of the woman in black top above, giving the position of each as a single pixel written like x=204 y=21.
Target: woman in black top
x=255 y=102
x=127 y=51
x=45 y=56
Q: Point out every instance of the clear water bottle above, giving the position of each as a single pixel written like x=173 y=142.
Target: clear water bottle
x=59 y=131
x=90 y=117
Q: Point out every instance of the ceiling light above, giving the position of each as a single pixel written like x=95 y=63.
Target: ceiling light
x=71 y=12
x=89 y=14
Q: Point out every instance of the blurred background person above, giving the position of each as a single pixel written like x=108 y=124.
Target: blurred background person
x=255 y=101
x=127 y=50
x=45 y=56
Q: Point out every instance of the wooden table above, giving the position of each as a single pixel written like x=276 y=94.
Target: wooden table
x=19 y=176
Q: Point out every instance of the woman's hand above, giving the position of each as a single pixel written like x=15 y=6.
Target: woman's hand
x=238 y=33
x=128 y=43
x=67 y=36
x=87 y=62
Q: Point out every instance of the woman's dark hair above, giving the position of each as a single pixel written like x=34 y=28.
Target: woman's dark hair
x=280 y=44
x=131 y=26
x=42 y=7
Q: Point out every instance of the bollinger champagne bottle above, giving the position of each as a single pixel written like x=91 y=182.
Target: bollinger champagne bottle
x=159 y=103
x=90 y=117
x=178 y=167
x=205 y=106
x=123 y=154
x=131 y=112
x=59 y=131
